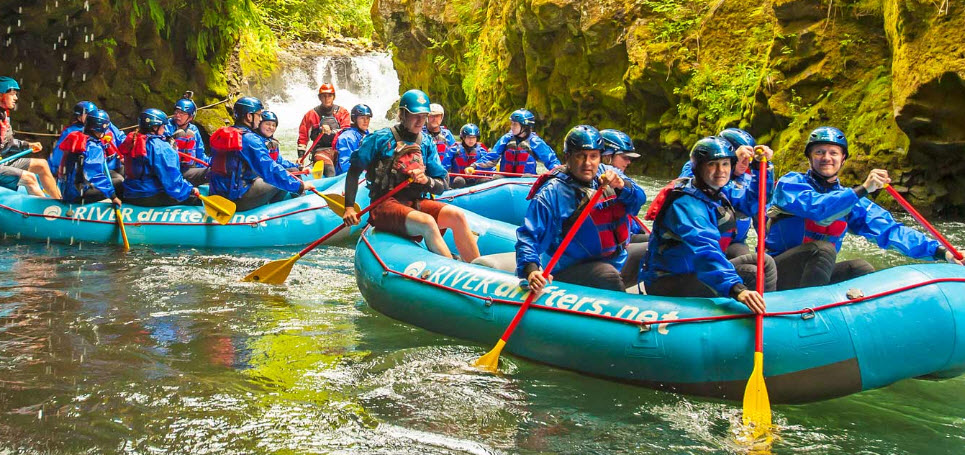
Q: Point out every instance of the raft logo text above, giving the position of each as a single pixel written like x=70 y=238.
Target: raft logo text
x=153 y=215
x=468 y=279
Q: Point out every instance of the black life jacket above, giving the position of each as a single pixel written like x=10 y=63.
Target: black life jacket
x=387 y=172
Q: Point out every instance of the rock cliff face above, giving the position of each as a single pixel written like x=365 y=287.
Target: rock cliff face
x=671 y=71
x=125 y=56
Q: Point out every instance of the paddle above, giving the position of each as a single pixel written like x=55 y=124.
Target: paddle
x=490 y=361
x=336 y=202
x=318 y=170
x=506 y=174
x=301 y=159
x=640 y=222
x=218 y=208
x=120 y=224
x=195 y=159
x=914 y=213
x=16 y=156
x=757 y=405
x=276 y=272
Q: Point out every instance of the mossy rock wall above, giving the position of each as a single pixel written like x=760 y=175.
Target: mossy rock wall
x=671 y=71
x=126 y=56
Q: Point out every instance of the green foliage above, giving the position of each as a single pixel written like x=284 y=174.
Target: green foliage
x=719 y=93
x=318 y=20
x=679 y=17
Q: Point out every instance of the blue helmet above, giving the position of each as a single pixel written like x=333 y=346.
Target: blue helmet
x=469 y=129
x=360 y=110
x=7 y=84
x=523 y=117
x=738 y=137
x=827 y=135
x=247 y=105
x=268 y=116
x=151 y=118
x=711 y=148
x=97 y=121
x=582 y=137
x=187 y=106
x=84 y=107
x=616 y=141
x=415 y=102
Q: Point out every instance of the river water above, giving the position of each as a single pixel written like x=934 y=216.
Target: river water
x=161 y=350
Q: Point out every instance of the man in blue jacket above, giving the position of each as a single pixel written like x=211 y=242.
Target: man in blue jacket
x=241 y=168
x=693 y=229
x=403 y=152
x=151 y=166
x=84 y=176
x=811 y=212
x=517 y=151
x=597 y=253
x=348 y=139
x=187 y=140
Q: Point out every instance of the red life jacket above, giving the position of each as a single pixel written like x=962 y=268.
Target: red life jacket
x=186 y=145
x=660 y=200
x=225 y=143
x=814 y=231
x=441 y=144
x=133 y=147
x=461 y=161
x=515 y=156
x=273 y=150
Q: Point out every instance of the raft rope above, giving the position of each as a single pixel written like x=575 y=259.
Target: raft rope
x=645 y=325
x=126 y=128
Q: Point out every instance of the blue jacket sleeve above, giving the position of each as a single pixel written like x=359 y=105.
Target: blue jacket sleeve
x=632 y=195
x=690 y=220
x=167 y=166
x=95 y=169
x=434 y=167
x=798 y=198
x=533 y=237
x=199 y=151
x=491 y=158
x=346 y=143
x=873 y=222
x=368 y=150
x=255 y=152
x=119 y=135
x=544 y=153
x=450 y=139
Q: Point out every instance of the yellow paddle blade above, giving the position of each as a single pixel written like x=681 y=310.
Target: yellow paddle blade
x=219 y=208
x=274 y=272
x=336 y=202
x=120 y=223
x=490 y=361
x=757 y=405
x=318 y=170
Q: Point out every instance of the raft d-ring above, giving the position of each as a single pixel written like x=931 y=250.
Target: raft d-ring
x=488 y=300
x=385 y=273
x=645 y=328
x=809 y=314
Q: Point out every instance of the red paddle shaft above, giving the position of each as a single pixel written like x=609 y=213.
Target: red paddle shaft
x=762 y=225
x=914 y=213
x=556 y=257
x=378 y=201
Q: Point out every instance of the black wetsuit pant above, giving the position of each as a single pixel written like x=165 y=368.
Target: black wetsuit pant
x=813 y=264
x=259 y=194
x=688 y=285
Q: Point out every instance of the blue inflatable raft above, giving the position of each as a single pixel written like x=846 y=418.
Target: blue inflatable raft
x=502 y=199
x=296 y=221
x=819 y=343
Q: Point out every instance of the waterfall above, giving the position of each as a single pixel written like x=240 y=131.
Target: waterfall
x=370 y=79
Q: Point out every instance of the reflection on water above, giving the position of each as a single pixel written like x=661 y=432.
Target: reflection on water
x=165 y=351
